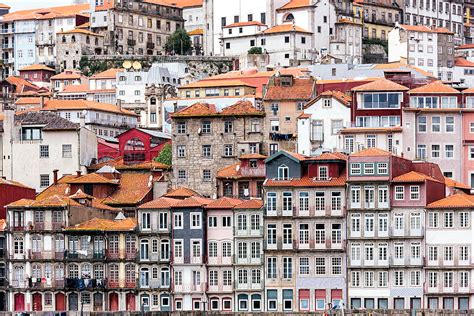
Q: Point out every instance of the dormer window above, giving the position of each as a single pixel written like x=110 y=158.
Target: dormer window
x=323 y=173
x=31 y=133
x=283 y=172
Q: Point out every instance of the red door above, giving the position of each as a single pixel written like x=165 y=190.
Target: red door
x=37 y=302
x=19 y=302
x=60 y=302
x=130 y=302
x=114 y=302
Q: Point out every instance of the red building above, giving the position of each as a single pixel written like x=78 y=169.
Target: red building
x=243 y=179
x=38 y=74
x=11 y=191
x=136 y=145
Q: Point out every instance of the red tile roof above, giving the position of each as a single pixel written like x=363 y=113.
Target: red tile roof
x=60 y=188
x=371 y=152
x=465 y=46
x=193 y=201
x=381 y=84
x=454 y=184
x=307 y=182
x=107 y=74
x=55 y=105
x=249 y=23
x=302 y=89
x=241 y=108
x=458 y=200
x=338 y=95
x=434 y=87
x=181 y=192
x=442 y=30
x=46 y=13
x=462 y=62
x=230 y=172
x=186 y=3
x=68 y=75
x=412 y=177
x=285 y=28
x=133 y=188
x=295 y=4
x=417 y=28
x=253 y=156
x=93 y=178
x=160 y=203
x=35 y=67
x=331 y=156
x=250 y=204
x=28 y=100
x=224 y=203
x=217 y=83
x=21 y=83
x=100 y=224
x=198 y=31
x=14 y=183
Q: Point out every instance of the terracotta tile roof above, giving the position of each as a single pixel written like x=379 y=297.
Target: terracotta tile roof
x=331 y=156
x=14 y=183
x=295 y=4
x=413 y=176
x=3 y=224
x=230 y=172
x=249 y=23
x=434 y=87
x=133 y=188
x=465 y=46
x=381 y=84
x=55 y=105
x=469 y=90
x=416 y=28
x=194 y=201
x=107 y=74
x=67 y=75
x=100 y=224
x=51 y=201
x=60 y=188
x=37 y=67
x=76 y=88
x=462 y=62
x=198 y=31
x=21 y=83
x=186 y=3
x=454 y=184
x=338 y=95
x=296 y=155
x=376 y=130
x=240 y=108
x=371 y=152
x=224 y=203
x=80 y=31
x=442 y=30
x=160 y=203
x=348 y=21
x=307 y=182
x=46 y=13
x=108 y=4
x=28 y=100
x=250 y=204
x=253 y=156
x=101 y=206
x=181 y=192
x=217 y=83
x=285 y=28
x=4 y=6
x=302 y=89
x=458 y=200
x=304 y=116
x=94 y=178
x=118 y=164
x=80 y=195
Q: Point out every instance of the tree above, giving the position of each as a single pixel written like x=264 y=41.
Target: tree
x=255 y=50
x=165 y=155
x=179 y=42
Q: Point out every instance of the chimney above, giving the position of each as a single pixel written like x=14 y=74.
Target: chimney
x=78 y=173
x=41 y=101
x=119 y=104
x=55 y=176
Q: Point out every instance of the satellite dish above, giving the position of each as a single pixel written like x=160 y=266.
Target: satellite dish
x=136 y=65
x=127 y=64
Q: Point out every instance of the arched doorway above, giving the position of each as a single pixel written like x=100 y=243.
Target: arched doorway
x=60 y=302
x=19 y=302
x=113 y=302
